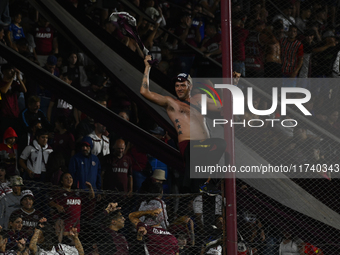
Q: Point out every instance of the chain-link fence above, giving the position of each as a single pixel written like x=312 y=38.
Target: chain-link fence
x=106 y=221
x=288 y=45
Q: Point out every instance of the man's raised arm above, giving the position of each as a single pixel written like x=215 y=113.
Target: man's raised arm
x=144 y=89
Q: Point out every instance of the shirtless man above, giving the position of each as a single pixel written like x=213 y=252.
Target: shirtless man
x=186 y=117
x=272 y=65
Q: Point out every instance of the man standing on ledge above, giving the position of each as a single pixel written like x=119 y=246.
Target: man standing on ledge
x=185 y=112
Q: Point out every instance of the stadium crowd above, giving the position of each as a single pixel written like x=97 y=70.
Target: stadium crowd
x=97 y=174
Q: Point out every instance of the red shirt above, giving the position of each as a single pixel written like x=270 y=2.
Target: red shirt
x=9 y=102
x=29 y=220
x=116 y=173
x=43 y=38
x=71 y=201
x=290 y=53
x=159 y=240
x=120 y=242
x=239 y=36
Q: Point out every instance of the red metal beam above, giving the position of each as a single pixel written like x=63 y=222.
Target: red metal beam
x=230 y=186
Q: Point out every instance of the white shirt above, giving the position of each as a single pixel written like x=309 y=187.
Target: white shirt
x=62 y=249
x=36 y=157
x=100 y=145
x=152 y=205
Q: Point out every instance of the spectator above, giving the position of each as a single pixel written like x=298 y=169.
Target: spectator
x=292 y=57
x=28 y=136
x=45 y=37
x=35 y=157
x=154 y=202
x=325 y=60
x=52 y=243
x=45 y=95
x=188 y=34
x=15 y=233
x=11 y=201
x=27 y=213
x=62 y=108
x=124 y=115
x=85 y=167
x=101 y=143
x=33 y=112
x=9 y=152
x=68 y=203
x=239 y=36
x=320 y=17
x=10 y=85
x=55 y=168
x=84 y=128
x=112 y=223
x=183 y=226
x=213 y=243
x=117 y=170
x=50 y=65
x=15 y=32
x=158 y=176
x=304 y=17
x=4 y=248
x=290 y=244
x=141 y=168
x=77 y=71
x=254 y=62
x=308 y=45
x=272 y=65
x=63 y=140
x=287 y=9
x=4 y=182
x=211 y=46
x=97 y=89
x=159 y=240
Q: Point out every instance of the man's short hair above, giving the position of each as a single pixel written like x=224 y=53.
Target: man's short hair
x=41 y=132
x=33 y=100
x=115 y=215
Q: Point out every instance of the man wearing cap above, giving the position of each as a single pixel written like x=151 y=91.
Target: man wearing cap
x=50 y=65
x=185 y=112
x=11 y=201
x=85 y=167
x=30 y=217
x=158 y=176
